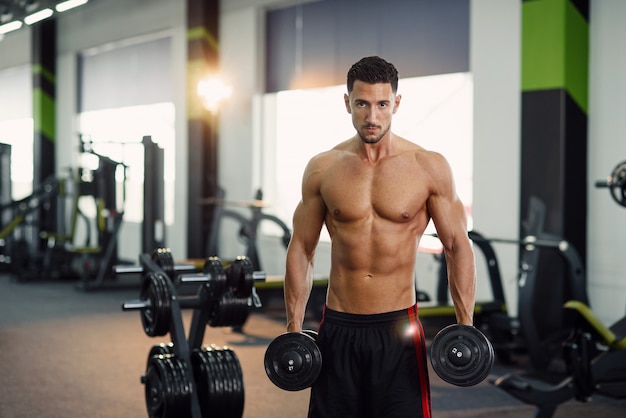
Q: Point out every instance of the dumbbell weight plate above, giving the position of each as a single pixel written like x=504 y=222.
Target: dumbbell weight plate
x=155 y=318
x=228 y=311
x=222 y=362
x=311 y=333
x=213 y=268
x=180 y=385
x=175 y=383
x=461 y=355
x=241 y=279
x=236 y=376
x=202 y=376
x=618 y=180
x=293 y=361
x=159 y=389
x=163 y=258
x=183 y=403
x=213 y=384
x=158 y=349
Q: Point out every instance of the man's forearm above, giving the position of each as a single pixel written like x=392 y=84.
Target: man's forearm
x=298 y=284
x=462 y=282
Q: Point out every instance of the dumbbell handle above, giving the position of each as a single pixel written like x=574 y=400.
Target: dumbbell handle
x=136 y=305
x=137 y=269
x=610 y=182
x=257 y=276
x=194 y=278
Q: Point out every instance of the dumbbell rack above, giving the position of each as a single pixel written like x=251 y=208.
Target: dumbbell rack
x=177 y=374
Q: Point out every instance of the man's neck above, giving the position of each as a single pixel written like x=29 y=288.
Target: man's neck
x=375 y=152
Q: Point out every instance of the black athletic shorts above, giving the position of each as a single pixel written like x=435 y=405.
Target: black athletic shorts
x=373 y=366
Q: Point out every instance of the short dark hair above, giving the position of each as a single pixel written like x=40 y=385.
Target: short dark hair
x=373 y=70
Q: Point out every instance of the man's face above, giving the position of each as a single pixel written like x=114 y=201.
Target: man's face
x=372 y=107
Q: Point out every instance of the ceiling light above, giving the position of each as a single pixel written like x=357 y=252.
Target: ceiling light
x=38 y=16
x=69 y=4
x=10 y=27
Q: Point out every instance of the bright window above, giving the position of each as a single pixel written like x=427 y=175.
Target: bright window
x=117 y=134
x=19 y=134
x=435 y=112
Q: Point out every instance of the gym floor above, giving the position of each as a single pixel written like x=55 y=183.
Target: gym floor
x=69 y=353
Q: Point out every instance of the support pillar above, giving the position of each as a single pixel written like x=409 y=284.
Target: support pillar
x=555 y=49
x=202 y=59
x=43 y=54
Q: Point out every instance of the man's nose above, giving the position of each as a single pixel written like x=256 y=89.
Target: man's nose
x=372 y=115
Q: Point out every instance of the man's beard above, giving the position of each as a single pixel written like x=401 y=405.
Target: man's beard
x=369 y=140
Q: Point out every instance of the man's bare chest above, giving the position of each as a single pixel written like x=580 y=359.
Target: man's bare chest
x=353 y=192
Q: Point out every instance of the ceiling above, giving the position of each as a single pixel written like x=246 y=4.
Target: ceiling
x=15 y=13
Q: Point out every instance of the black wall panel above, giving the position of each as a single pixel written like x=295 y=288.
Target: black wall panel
x=314 y=44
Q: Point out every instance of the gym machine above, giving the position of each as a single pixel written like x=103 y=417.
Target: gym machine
x=248 y=231
x=16 y=241
x=441 y=311
x=533 y=331
x=37 y=254
x=183 y=378
x=92 y=262
x=595 y=355
x=153 y=225
x=5 y=197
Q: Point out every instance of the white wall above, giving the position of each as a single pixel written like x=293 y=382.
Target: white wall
x=15 y=48
x=495 y=63
x=606 y=232
x=107 y=22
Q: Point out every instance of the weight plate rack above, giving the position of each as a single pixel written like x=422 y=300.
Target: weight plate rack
x=183 y=377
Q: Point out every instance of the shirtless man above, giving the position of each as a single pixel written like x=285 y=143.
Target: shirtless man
x=375 y=192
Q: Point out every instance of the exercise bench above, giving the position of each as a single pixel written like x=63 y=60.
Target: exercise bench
x=596 y=360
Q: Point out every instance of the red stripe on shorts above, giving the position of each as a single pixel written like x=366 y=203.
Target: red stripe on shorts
x=422 y=367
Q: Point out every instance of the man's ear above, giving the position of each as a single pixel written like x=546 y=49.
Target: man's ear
x=396 y=103
x=346 y=100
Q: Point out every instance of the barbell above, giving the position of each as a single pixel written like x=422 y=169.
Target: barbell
x=459 y=354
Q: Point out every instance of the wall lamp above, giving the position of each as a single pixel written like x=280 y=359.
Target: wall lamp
x=212 y=91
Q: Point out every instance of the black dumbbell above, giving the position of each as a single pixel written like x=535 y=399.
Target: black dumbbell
x=293 y=360
x=461 y=355
x=154 y=304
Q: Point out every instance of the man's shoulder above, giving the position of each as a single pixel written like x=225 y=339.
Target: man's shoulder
x=338 y=151
x=420 y=153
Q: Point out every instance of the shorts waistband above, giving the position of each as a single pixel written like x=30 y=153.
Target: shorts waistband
x=367 y=320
